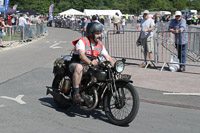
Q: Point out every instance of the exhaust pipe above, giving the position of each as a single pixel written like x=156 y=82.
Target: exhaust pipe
x=95 y=102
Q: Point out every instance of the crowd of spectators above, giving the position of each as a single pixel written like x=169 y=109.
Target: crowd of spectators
x=17 y=22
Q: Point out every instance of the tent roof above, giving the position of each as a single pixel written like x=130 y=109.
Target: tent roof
x=89 y=12
x=71 y=12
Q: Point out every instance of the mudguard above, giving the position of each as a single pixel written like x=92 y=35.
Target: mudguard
x=123 y=81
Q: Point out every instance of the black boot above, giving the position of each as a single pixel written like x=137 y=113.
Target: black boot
x=77 y=97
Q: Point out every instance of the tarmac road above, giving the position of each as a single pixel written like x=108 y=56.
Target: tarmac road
x=24 y=106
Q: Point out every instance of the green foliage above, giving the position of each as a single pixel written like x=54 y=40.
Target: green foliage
x=126 y=6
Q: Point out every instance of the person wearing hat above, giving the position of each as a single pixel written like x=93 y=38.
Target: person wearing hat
x=178 y=26
x=146 y=37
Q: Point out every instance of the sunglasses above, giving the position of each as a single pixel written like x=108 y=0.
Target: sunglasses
x=178 y=16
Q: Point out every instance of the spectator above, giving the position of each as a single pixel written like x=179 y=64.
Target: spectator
x=102 y=19
x=94 y=19
x=123 y=23
x=28 y=21
x=195 y=19
x=22 y=23
x=2 y=25
x=14 y=23
x=146 y=35
x=28 y=31
x=35 y=20
x=7 y=20
x=50 y=20
x=116 y=22
x=83 y=31
x=177 y=26
x=87 y=22
x=27 y=14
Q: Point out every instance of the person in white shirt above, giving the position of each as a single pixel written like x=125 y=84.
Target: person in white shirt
x=146 y=34
x=22 y=20
x=123 y=23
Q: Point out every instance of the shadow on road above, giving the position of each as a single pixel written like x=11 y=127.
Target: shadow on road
x=74 y=111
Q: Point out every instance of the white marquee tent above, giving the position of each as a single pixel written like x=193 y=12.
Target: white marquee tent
x=72 y=12
x=90 y=12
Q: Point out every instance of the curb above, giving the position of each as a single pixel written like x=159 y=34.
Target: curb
x=17 y=44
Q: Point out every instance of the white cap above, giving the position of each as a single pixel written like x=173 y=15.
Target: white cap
x=26 y=17
x=178 y=13
x=146 y=11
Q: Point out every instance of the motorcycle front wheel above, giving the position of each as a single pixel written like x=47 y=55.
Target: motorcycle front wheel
x=122 y=111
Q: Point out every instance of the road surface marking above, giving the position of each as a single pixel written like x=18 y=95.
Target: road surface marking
x=18 y=99
x=186 y=94
x=55 y=46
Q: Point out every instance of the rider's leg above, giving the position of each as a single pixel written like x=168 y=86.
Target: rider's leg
x=77 y=76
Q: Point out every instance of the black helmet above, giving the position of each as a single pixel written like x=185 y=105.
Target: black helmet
x=92 y=28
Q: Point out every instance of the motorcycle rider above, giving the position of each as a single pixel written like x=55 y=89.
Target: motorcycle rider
x=86 y=51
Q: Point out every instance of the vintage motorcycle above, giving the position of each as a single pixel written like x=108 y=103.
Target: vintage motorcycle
x=102 y=87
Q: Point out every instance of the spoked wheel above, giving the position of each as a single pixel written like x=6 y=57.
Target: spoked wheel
x=57 y=84
x=121 y=107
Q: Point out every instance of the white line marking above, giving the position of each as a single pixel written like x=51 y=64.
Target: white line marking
x=18 y=99
x=55 y=46
x=63 y=41
x=186 y=94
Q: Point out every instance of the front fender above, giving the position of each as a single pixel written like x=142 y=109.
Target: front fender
x=119 y=81
x=123 y=81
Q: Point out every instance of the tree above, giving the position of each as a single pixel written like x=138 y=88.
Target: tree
x=160 y=5
x=180 y=4
x=126 y=6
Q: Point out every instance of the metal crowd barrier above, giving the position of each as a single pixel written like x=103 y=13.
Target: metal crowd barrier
x=130 y=25
x=19 y=33
x=124 y=45
x=166 y=48
x=6 y=32
x=70 y=24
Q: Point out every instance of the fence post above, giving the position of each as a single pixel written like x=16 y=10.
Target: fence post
x=10 y=33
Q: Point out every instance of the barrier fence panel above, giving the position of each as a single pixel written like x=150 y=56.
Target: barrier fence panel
x=41 y=29
x=166 y=48
x=27 y=32
x=6 y=34
x=16 y=33
x=20 y=33
x=124 y=45
x=37 y=30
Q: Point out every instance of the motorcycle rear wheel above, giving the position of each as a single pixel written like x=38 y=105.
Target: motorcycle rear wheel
x=57 y=86
x=125 y=112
